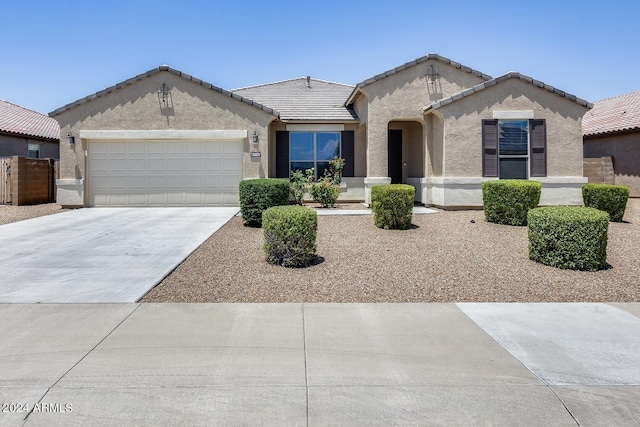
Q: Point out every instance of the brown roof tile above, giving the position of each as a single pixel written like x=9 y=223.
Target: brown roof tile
x=18 y=120
x=618 y=114
x=303 y=98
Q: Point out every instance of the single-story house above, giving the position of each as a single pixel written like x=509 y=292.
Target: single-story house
x=27 y=133
x=165 y=138
x=611 y=132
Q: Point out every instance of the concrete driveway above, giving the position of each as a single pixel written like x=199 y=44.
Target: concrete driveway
x=100 y=255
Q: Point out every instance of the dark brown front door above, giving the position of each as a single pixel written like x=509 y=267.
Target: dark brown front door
x=394 y=150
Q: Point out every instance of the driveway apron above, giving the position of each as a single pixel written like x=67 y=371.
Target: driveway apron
x=100 y=255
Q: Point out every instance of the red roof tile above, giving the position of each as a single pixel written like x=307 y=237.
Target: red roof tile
x=19 y=120
x=618 y=114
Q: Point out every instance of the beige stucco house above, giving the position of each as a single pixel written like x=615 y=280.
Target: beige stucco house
x=165 y=138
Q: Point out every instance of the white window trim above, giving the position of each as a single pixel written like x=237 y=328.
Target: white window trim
x=513 y=115
x=316 y=128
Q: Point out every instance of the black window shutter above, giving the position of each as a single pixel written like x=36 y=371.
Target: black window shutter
x=490 y=148
x=282 y=154
x=538 y=147
x=348 y=153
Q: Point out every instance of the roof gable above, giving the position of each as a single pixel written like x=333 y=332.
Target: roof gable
x=410 y=64
x=500 y=79
x=617 y=114
x=18 y=120
x=156 y=71
x=304 y=99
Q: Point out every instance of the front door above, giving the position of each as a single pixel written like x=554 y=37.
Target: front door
x=394 y=150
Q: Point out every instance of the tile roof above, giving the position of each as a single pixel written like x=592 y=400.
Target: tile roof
x=617 y=114
x=155 y=71
x=303 y=98
x=18 y=120
x=509 y=75
x=411 y=64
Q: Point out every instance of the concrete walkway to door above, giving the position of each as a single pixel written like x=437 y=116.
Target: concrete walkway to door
x=100 y=255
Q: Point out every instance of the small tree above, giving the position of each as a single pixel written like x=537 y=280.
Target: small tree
x=300 y=181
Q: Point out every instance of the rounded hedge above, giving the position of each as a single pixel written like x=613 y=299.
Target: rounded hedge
x=290 y=235
x=606 y=197
x=258 y=195
x=566 y=237
x=392 y=205
x=507 y=201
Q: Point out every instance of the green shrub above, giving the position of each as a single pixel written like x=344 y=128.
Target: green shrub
x=300 y=181
x=325 y=192
x=257 y=195
x=507 y=201
x=290 y=235
x=609 y=198
x=392 y=206
x=566 y=237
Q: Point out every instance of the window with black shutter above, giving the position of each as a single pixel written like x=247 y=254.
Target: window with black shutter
x=514 y=149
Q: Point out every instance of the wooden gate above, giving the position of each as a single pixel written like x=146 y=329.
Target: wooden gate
x=5 y=180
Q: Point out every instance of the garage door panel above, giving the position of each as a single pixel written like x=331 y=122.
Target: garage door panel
x=232 y=147
x=175 y=147
x=137 y=147
x=164 y=173
x=137 y=165
x=193 y=165
x=118 y=148
x=156 y=148
x=213 y=147
x=156 y=165
x=194 y=147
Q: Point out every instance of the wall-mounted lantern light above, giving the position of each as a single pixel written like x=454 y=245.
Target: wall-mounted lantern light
x=254 y=138
x=71 y=138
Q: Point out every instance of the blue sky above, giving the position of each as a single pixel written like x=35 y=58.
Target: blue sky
x=55 y=52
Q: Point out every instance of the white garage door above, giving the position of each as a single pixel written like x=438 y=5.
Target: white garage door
x=164 y=172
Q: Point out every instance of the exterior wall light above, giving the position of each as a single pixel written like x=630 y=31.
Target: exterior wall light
x=71 y=138
x=432 y=75
x=254 y=138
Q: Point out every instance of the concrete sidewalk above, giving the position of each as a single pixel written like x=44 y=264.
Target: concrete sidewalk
x=320 y=364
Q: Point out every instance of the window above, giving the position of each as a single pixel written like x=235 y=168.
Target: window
x=307 y=149
x=313 y=150
x=514 y=149
x=33 y=151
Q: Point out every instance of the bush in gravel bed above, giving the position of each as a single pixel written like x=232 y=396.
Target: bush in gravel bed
x=569 y=237
x=257 y=195
x=290 y=235
x=609 y=198
x=325 y=192
x=392 y=205
x=507 y=201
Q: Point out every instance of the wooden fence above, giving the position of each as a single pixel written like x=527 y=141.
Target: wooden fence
x=5 y=180
x=26 y=181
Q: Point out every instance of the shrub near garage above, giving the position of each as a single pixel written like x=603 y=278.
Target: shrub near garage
x=609 y=198
x=290 y=235
x=566 y=237
x=392 y=205
x=507 y=201
x=257 y=195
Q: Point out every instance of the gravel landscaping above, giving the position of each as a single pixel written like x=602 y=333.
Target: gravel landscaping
x=10 y=213
x=446 y=256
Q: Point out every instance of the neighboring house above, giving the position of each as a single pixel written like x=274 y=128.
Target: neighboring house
x=26 y=133
x=611 y=130
x=165 y=138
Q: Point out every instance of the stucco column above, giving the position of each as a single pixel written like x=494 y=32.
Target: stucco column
x=377 y=163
